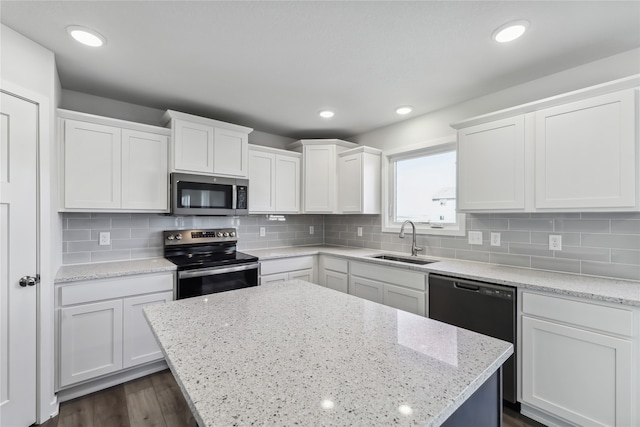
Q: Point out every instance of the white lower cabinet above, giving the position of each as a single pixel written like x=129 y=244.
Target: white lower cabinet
x=395 y=287
x=90 y=341
x=281 y=270
x=333 y=273
x=577 y=361
x=101 y=326
x=139 y=344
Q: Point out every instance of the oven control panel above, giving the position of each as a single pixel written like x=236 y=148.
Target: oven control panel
x=186 y=237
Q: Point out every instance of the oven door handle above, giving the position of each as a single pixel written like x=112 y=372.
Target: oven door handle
x=213 y=271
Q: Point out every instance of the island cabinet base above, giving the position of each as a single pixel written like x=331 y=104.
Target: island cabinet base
x=483 y=408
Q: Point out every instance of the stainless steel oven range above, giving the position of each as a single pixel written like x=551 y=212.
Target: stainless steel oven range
x=208 y=261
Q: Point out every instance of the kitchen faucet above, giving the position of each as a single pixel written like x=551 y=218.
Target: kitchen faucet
x=414 y=248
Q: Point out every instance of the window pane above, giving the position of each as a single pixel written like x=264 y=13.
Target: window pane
x=426 y=188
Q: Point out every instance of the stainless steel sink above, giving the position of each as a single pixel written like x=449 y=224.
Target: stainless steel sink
x=412 y=260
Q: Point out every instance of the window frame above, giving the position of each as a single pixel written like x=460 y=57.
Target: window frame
x=389 y=158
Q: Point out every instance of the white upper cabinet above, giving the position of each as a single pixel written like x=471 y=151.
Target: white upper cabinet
x=319 y=171
x=111 y=165
x=586 y=153
x=575 y=152
x=274 y=180
x=145 y=170
x=491 y=166
x=207 y=146
x=359 y=181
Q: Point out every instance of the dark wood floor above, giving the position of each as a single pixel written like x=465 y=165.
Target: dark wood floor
x=156 y=400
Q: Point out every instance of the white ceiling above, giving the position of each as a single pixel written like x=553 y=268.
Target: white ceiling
x=273 y=65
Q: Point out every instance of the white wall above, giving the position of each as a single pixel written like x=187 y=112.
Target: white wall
x=436 y=124
x=27 y=69
x=86 y=103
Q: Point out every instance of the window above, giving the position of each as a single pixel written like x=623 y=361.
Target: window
x=421 y=187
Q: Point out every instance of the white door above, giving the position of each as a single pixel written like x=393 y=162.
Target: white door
x=263 y=187
x=350 y=183
x=230 y=153
x=18 y=246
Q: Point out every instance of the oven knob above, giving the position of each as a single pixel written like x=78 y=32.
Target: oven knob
x=219 y=234
x=170 y=237
x=226 y=234
x=232 y=234
x=178 y=236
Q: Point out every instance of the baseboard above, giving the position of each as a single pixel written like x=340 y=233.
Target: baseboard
x=544 y=417
x=110 y=381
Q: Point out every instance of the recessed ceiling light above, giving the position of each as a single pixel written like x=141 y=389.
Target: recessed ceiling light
x=405 y=109
x=86 y=36
x=510 y=31
x=326 y=114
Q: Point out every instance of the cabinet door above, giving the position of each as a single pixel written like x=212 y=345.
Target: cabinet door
x=139 y=343
x=306 y=275
x=404 y=299
x=350 y=183
x=90 y=341
x=262 y=170
x=91 y=167
x=367 y=289
x=586 y=153
x=335 y=280
x=491 y=166
x=192 y=147
x=230 y=153
x=145 y=171
x=319 y=178
x=274 y=278
x=287 y=184
x=581 y=376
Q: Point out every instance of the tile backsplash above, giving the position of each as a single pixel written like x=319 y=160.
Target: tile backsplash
x=598 y=244
x=140 y=235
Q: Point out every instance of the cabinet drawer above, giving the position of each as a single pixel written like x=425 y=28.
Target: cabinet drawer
x=395 y=276
x=102 y=289
x=335 y=264
x=285 y=265
x=583 y=314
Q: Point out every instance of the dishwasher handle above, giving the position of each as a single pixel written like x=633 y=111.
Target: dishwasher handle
x=466 y=287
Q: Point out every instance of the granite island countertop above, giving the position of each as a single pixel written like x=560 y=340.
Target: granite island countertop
x=296 y=352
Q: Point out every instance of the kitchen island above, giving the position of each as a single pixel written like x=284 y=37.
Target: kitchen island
x=298 y=353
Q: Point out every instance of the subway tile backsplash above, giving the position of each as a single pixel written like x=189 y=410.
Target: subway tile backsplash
x=599 y=244
x=140 y=235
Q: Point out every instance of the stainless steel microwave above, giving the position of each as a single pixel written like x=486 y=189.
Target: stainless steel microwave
x=208 y=195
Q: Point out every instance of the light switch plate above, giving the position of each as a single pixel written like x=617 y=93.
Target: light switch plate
x=311 y=229
x=359 y=231
x=263 y=231
x=495 y=239
x=475 y=237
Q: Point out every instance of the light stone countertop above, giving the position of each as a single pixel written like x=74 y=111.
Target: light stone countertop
x=298 y=353
x=103 y=270
x=625 y=292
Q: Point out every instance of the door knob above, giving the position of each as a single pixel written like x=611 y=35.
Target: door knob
x=28 y=281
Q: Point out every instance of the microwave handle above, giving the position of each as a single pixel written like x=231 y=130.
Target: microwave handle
x=234 y=196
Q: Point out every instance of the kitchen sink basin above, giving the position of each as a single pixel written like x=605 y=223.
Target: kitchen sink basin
x=413 y=260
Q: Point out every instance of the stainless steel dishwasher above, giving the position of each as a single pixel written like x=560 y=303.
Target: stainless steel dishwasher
x=486 y=308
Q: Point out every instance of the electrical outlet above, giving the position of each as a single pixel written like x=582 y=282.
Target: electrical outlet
x=495 y=239
x=555 y=242
x=105 y=238
x=475 y=237
x=263 y=231
x=359 y=231
x=311 y=229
